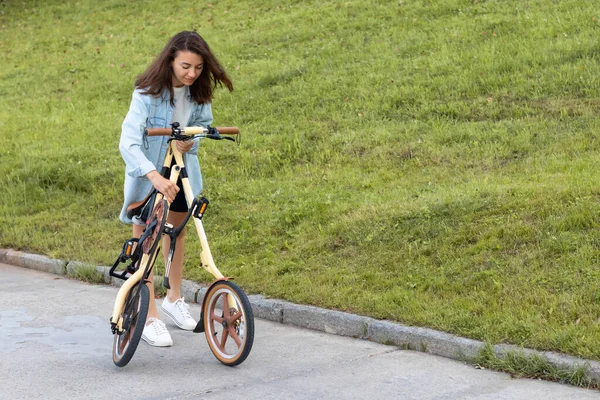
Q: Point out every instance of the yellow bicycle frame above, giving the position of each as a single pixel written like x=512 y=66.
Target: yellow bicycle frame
x=205 y=256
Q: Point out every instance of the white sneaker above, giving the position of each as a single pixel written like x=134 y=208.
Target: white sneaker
x=156 y=333
x=179 y=313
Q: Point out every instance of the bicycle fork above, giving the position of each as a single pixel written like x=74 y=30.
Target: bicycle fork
x=116 y=321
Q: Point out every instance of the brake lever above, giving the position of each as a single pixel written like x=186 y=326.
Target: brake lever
x=214 y=134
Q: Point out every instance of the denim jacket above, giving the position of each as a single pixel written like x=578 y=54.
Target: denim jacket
x=144 y=154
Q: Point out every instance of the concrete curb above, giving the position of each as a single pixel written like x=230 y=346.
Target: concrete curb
x=330 y=321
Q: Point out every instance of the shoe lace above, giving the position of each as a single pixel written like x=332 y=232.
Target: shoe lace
x=183 y=308
x=158 y=325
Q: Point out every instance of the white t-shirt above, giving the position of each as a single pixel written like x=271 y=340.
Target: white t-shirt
x=181 y=112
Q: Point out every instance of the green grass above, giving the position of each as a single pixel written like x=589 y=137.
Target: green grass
x=428 y=162
x=520 y=365
x=87 y=273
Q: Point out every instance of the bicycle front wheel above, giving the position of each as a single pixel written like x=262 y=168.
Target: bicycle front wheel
x=134 y=319
x=228 y=323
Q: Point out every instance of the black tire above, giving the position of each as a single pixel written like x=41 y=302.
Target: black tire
x=134 y=319
x=230 y=333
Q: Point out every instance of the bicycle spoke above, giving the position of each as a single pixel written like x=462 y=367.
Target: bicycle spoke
x=216 y=318
x=124 y=342
x=235 y=336
x=225 y=302
x=224 y=335
x=235 y=316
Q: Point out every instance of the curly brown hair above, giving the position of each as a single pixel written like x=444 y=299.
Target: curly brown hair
x=158 y=75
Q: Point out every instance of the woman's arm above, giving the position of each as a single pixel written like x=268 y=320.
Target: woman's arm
x=130 y=146
x=132 y=138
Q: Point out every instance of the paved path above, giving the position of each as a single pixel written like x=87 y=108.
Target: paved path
x=55 y=343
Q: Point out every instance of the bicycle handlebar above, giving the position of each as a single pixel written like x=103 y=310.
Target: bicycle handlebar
x=191 y=130
x=158 y=131
x=228 y=130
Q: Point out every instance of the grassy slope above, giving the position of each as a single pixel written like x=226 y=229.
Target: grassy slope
x=430 y=162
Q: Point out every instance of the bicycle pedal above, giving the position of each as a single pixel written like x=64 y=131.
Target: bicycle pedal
x=201 y=207
x=127 y=250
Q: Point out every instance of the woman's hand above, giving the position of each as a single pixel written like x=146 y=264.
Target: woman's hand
x=163 y=185
x=184 y=146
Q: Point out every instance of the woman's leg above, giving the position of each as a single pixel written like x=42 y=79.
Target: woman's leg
x=176 y=272
x=173 y=305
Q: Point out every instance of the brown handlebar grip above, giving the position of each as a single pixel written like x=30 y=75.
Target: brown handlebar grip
x=159 y=131
x=228 y=130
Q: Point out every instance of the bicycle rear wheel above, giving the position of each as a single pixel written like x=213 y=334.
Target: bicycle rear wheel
x=229 y=328
x=134 y=319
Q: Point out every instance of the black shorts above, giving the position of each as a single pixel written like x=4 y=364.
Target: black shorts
x=179 y=204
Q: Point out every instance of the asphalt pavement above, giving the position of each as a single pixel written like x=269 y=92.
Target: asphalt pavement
x=55 y=343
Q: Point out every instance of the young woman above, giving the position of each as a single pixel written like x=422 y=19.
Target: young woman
x=176 y=87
